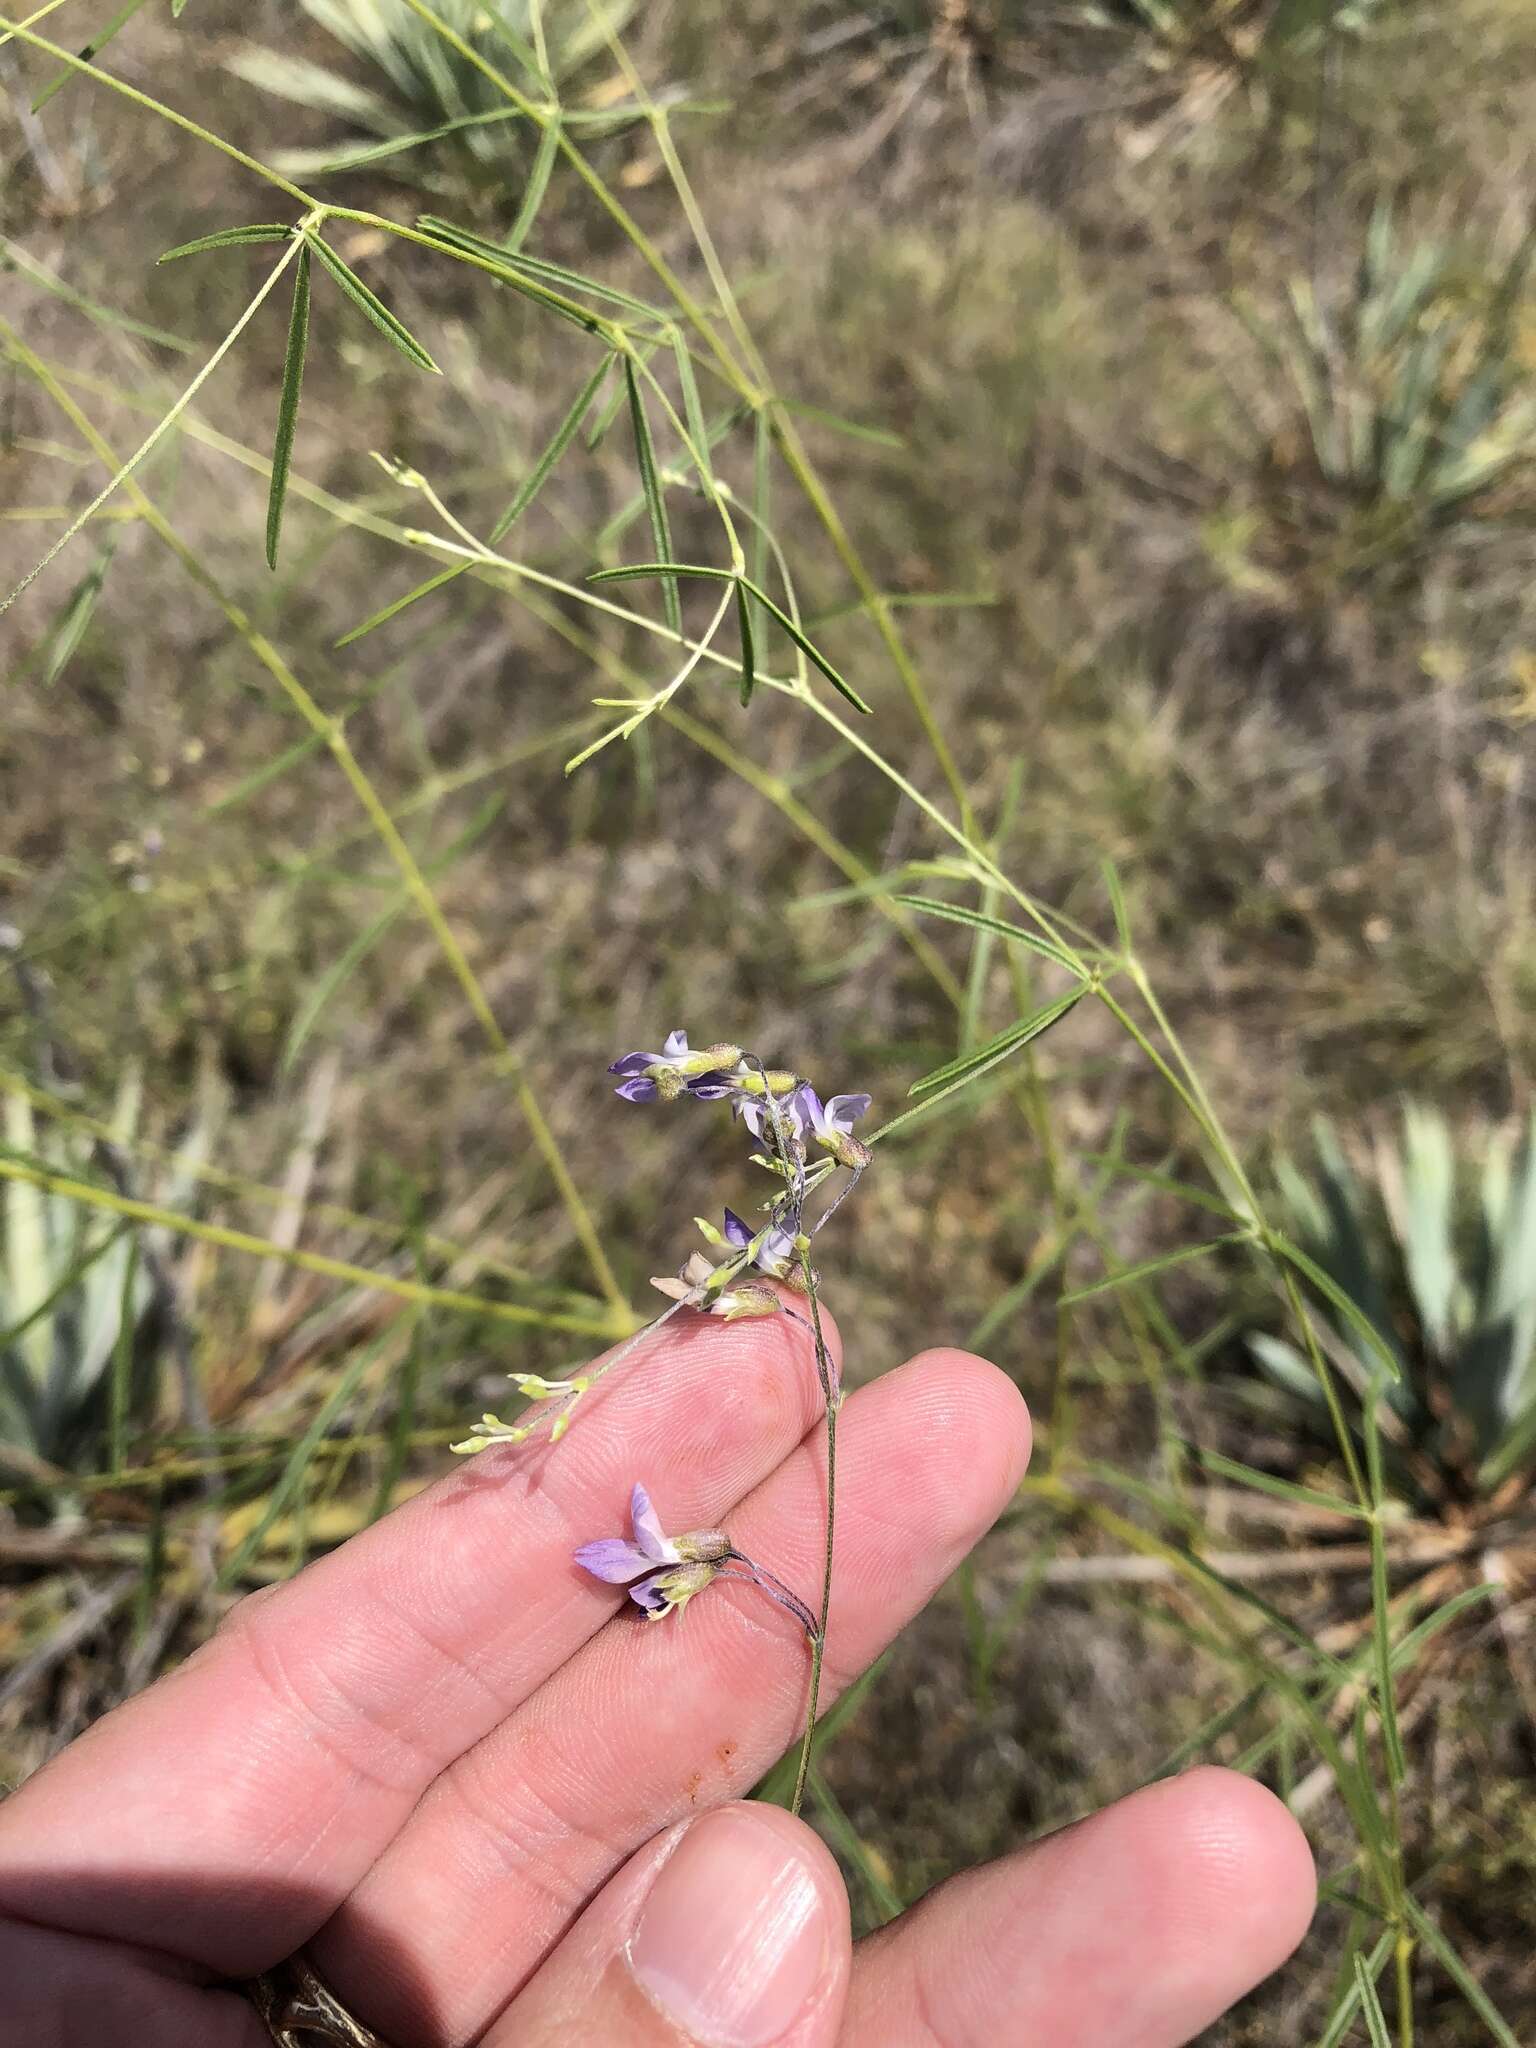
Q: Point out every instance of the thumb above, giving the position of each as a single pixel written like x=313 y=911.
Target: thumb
x=730 y=1931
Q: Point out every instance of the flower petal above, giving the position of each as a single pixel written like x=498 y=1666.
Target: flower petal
x=712 y=1087
x=843 y=1110
x=649 y=1534
x=612 y=1559
x=737 y=1232
x=637 y=1090
x=675 y=1042
x=633 y=1063
x=806 y=1105
x=649 y=1595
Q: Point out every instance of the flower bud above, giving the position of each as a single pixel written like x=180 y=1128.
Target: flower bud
x=704 y=1546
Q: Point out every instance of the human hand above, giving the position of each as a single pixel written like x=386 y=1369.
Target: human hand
x=495 y=1810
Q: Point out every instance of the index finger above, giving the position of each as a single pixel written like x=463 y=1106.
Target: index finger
x=223 y=1816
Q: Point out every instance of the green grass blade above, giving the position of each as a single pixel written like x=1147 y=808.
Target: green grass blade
x=230 y=238
x=288 y=405
x=979 y=920
x=655 y=500
x=120 y=1386
x=369 y=303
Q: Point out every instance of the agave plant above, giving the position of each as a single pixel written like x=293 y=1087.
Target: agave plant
x=85 y=1323
x=423 y=88
x=1416 y=403
x=1436 y=1247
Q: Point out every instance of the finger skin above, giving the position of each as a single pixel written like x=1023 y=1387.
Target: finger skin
x=588 y=1990
x=653 y=1721
x=67 y=1991
x=299 y=1740
x=1138 y=1927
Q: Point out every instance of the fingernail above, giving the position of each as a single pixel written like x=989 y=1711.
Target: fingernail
x=733 y=1937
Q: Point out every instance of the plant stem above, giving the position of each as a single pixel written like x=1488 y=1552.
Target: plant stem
x=833 y=1398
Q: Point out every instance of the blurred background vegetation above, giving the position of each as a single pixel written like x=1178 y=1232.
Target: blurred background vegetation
x=1171 y=364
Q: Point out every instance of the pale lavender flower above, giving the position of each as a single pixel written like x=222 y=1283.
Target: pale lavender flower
x=831 y=1123
x=647 y=1075
x=662 y=1572
x=775 y=1246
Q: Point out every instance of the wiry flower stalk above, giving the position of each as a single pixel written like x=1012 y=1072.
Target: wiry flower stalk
x=784 y=1113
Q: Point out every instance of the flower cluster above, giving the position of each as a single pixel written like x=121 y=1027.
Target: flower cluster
x=786 y=1116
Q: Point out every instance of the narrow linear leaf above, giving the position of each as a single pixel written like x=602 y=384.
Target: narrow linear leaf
x=1117 y=904
x=634 y=570
x=1370 y=2004
x=399 y=604
x=693 y=409
x=1342 y=2018
x=90 y=50
x=374 y=307
x=1182 y=1257
x=1327 y=1286
x=79 y=608
x=554 y=448
x=1460 y=1975
x=1007 y=1041
x=288 y=405
x=748 y=645
x=1282 y=1489
x=655 y=500
x=882 y=437
x=538 y=184
x=230 y=238
x=979 y=920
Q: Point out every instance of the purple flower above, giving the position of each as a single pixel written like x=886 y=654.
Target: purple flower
x=774 y=1251
x=832 y=1123
x=645 y=1075
x=662 y=1572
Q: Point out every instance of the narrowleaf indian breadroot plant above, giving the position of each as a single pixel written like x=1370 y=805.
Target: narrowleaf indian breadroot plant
x=785 y=1116
x=670 y=373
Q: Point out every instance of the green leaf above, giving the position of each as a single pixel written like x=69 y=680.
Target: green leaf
x=1370 y=2005
x=1147 y=1267
x=69 y=628
x=632 y=571
x=288 y=405
x=1330 y=1289
x=554 y=448
x=1117 y=904
x=1342 y=2017
x=1459 y=1974
x=538 y=184
x=956 y=1072
x=92 y=48
x=1282 y=1489
x=748 y=645
x=230 y=238
x=374 y=307
x=979 y=920
x=655 y=499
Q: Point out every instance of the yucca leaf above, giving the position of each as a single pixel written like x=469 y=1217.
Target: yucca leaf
x=288 y=405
